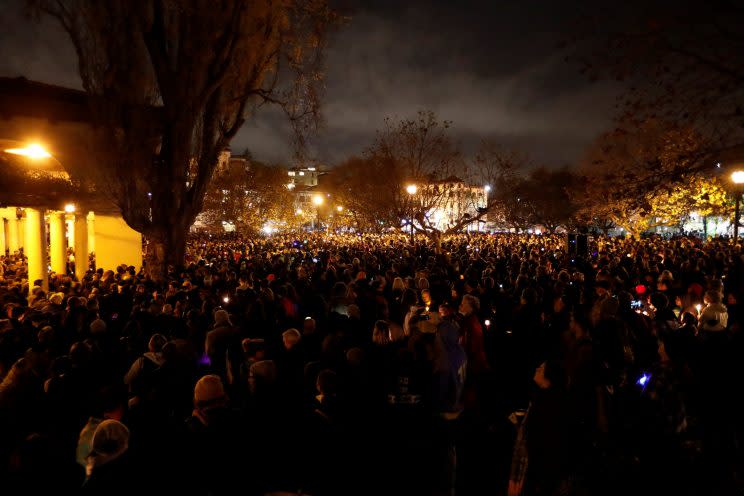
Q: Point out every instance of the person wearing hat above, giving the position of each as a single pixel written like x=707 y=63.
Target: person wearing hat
x=108 y=467
x=209 y=398
x=213 y=460
x=714 y=317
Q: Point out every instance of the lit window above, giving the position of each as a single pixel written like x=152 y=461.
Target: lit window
x=291 y=173
x=302 y=173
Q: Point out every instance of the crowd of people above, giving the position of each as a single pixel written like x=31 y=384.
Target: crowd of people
x=363 y=364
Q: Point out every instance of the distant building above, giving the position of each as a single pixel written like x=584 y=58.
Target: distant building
x=303 y=176
x=303 y=182
x=451 y=199
x=227 y=161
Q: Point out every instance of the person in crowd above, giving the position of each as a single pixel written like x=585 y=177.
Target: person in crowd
x=541 y=463
x=109 y=469
x=714 y=317
x=139 y=377
x=221 y=340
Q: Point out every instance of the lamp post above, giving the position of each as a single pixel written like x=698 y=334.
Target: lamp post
x=411 y=189
x=737 y=177
x=318 y=201
x=487 y=190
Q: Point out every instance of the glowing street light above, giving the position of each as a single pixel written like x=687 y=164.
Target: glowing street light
x=318 y=201
x=340 y=208
x=737 y=177
x=70 y=208
x=411 y=189
x=34 y=151
x=487 y=187
x=299 y=211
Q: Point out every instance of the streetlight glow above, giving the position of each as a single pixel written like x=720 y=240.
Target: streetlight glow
x=411 y=189
x=318 y=200
x=340 y=208
x=737 y=177
x=487 y=188
x=70 y=208
x=299 y=211
x=33 y=151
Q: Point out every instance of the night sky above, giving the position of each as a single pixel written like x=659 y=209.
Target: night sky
x=493 y=68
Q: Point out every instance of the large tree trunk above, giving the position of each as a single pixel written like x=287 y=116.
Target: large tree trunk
x=166 y=247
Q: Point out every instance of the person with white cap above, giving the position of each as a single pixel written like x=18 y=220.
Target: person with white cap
x=109 y=469
x=213 y=456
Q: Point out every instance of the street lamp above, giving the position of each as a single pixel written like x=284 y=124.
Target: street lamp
x=340 y=208
x=318 y=201
x=411 y=189
x=33 y=151
x=70 y=208
x=737 y=177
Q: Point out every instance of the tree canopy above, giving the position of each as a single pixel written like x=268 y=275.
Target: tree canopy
x=172 y=81
x=681 y=63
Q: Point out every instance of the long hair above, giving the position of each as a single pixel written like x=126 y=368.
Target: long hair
x=381 y=333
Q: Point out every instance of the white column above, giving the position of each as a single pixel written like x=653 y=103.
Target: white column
x=91 y=232
x=57 y=242
x=5 y=233
x=81 y=246
x=35 y=248
x=13 y=244
x=22 y=231
x=3 y=247
x=70 y=221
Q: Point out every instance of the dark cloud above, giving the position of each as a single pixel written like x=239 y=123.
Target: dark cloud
x=493 y=69
x=490 y=67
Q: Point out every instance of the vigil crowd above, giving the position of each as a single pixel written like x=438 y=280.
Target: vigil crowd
x=362 y=364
